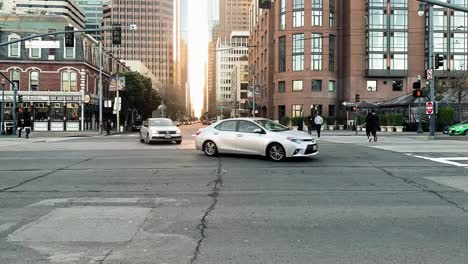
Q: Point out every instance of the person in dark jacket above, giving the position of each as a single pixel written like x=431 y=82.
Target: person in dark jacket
x=372 y=124
x=20 y=127
x=310 y=124
x=27 y=126
x=300 y=126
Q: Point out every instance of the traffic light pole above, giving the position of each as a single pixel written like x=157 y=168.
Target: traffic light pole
x=100 y=88
x=15 y=121
x=432 y=129
x=3 y=108
x=420 y=130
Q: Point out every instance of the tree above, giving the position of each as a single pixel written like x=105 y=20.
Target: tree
x=457 y=87
x=139 y=95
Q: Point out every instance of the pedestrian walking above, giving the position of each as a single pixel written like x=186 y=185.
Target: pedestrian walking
x=300 y=126
x=108 y=127
x=372 y=122
x=310 y=124
x=318 y=121
x=27 y=126
x=20 y=127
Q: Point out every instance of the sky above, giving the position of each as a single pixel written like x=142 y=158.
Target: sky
x=196 y=18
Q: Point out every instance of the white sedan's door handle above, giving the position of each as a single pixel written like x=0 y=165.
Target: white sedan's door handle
x=240 y=135
x=215 y=133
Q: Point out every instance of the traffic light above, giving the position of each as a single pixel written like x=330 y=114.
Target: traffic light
x=353 y=108
x=358 y=98
x=116 y=34
x=20 y=98
x=264 y=4
x=417 y=93
x=439 y=61
x=69 y=37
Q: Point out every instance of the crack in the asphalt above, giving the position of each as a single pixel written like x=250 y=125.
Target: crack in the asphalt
x=217 y=184
x=106 y=256
x=425 y=188
x=44 y=175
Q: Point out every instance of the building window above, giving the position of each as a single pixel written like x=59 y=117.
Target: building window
x=397 y=86
x=398 y=62
x=331 y=53
x=283 y=15
x=296 y=110
x=15 y=77
x=372 y=86
x=298 y=13
x=377 y=61
x=316 y=85
x=15 y=48
x=331 y=18
x=35 y=53
x=331 y=86
x=317 y=13
x=33 y=80
x=298 y=52
x=331 y=110
x=297 y=86
x=316 y=52
x=69 y=81
x=282 y=54
x=281 y=87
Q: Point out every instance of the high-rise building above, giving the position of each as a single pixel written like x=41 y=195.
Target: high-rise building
x=151 y=43
x=67 y=8
x=228 y=52
x=310 y=56
x=212 y=69
x=233 y=16
x=93 y=10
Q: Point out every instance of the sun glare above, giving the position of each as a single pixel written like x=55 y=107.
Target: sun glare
x=198 y=52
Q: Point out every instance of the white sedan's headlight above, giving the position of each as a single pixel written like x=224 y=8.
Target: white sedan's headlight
x=178 y=131
x=295 y=140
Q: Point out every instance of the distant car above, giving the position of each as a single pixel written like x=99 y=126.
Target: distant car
x=177 y=123
x=136 y=127
x=205 y=121
x=160 y=130
x=255 y=136
x=212 y=121
x=459 y=129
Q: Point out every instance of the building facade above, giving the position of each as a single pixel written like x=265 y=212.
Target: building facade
x=151 y=43
x=229 y=51
x=59 y=85
x=67 y=8
x=311 y=56
x=240 y=88
x=233 y=16
x=93 y=10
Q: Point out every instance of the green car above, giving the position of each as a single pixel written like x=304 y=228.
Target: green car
x=459 y=129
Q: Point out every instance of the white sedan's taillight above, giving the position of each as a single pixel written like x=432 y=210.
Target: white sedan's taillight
x=198 y=133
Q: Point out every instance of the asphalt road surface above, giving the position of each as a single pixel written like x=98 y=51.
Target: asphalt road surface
x=114 y=200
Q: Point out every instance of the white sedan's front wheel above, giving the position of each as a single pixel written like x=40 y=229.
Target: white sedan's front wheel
x=210 y=148
x=276 y=152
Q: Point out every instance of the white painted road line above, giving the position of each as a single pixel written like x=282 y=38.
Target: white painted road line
x=445 y=160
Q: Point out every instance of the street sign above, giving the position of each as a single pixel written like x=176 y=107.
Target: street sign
x=429 y=108
x=429 y=74
x=42 y=44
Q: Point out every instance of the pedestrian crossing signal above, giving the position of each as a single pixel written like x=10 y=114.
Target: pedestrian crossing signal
x=417 y=93
x=20 y=99
x=116 y=34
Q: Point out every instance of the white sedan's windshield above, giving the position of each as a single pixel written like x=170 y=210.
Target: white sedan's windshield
x=271 y=125
x=161 y=122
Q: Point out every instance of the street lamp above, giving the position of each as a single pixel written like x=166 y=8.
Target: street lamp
x=420 y=130
x=421 y=10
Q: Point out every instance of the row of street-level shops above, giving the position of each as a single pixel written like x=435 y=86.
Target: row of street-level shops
x=54 y=111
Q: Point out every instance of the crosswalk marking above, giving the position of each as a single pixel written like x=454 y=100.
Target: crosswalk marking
x=457 y=182
x=445 y=160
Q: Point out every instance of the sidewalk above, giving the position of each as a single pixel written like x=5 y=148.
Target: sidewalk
x=425 y=135
x=69 y=134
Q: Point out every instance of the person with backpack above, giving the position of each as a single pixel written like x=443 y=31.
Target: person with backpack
x=310 y=124
x=372 y=122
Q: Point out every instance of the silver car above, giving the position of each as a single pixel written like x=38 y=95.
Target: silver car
x=160 y=130
x=255 y=136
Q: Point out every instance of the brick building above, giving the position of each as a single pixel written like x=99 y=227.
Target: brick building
x=56 y=83
x=313 y=55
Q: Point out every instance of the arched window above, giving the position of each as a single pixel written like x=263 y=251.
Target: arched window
x=69 y=81
x=33 y=80
x=14 y=49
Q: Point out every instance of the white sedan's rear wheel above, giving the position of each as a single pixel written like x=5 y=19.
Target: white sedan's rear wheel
x=276 y=152
x=210 y=148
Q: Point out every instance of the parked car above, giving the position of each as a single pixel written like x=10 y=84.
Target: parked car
x=160 y=130
x=255 y=136
x=177 y=123
x=459 y=129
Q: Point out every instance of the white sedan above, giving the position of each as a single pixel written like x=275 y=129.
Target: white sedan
x=160 y=130
x=255 y=136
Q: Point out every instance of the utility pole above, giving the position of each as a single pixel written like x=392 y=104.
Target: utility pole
x=100 y=88
x=3 y=108
x=15 y=121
